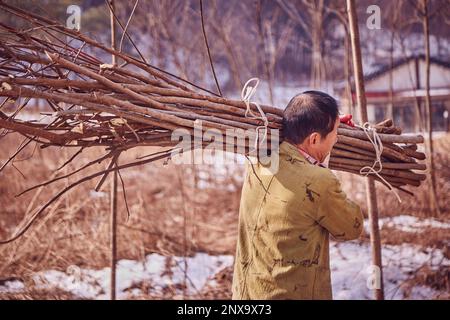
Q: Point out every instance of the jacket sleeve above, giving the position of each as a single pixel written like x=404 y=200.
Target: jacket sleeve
x=338 y=214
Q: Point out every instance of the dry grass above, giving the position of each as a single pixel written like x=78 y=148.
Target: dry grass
x=170 y=214
x=39 y=294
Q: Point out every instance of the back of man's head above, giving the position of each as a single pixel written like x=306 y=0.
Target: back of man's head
x=308 y=112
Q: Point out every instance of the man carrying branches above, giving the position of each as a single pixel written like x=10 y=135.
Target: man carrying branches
x=286 y=218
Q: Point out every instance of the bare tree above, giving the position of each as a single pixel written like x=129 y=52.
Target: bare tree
x=423 y=12
x=370 y=182
x=311 y=22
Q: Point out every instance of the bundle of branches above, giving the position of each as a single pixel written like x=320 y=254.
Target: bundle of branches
x=94 y=104
x=355 y=153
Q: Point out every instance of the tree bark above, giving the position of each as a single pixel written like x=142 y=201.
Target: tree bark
x=434 y=204
x=113 y=217
x=370 y=182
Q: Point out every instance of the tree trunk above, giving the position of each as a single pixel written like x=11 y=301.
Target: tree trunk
x=370 y=182
x=316 y=10
x=390 y=107
x=434 y=205
x=263 y=50
x=113 y=199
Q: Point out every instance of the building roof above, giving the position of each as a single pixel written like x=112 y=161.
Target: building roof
x=386 y=67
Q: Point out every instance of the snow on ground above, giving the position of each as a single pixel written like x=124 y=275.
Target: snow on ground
x=350 y=267
x=412 y=224
x=350 y=270
x=408 y=223
x=158 y=270
x=34 y=117
x=12 y=286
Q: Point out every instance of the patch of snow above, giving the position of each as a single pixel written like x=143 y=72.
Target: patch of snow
x=12 y=286
x=408 y=223
x=350 y=272
x=160 y=270
x=97 y=194
x=33 y=117
x=351 y=269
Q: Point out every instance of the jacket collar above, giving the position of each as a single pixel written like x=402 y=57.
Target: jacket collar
x=288 y=151
x=292 y=152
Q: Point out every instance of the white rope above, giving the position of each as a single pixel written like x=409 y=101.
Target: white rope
x=378 y=146
x=246 y=95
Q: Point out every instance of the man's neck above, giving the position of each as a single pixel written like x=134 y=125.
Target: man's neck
x=306 y=150
x=310 y=158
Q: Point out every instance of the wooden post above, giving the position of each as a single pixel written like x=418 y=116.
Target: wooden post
x=113 y=232
x=434 y=204
x=370 y=182
x=113 y=213
x=113 y=30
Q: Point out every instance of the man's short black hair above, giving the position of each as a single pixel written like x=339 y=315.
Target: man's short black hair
x=308 y=112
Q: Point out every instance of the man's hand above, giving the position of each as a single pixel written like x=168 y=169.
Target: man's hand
x=347 y=119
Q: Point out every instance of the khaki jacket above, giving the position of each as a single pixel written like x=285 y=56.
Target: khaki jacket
x=284 y=224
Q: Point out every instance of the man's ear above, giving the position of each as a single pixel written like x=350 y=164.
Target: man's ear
x=314 y=138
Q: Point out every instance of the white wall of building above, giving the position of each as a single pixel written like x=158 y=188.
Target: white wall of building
x=404 y=78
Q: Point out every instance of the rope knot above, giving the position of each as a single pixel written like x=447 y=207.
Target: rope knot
x=378 y=147
x=247 y=94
